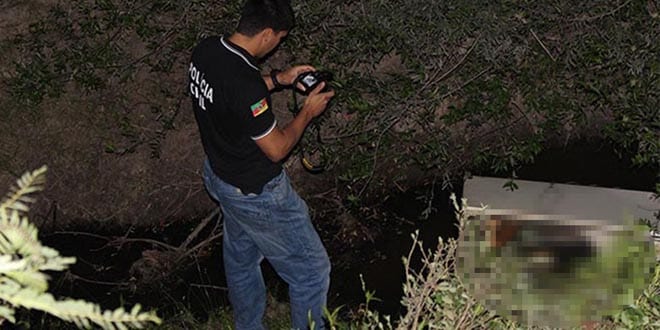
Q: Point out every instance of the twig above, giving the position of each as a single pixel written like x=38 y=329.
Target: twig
x=469 y=81
x=197 y=247
x=467 y=311
x=322 y=195
x=378 y=141
x=207 y=286
x=519 y=108
x=77 y=233
x=428 y=284
x=82 y=279
x=593 y=18
x=123 y=240
x=499 y=128
x=116 y=241
x=446 y=74
x=199 y=228
x=542 y=45
x=191 y=192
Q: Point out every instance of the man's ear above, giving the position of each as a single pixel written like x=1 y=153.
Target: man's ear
x=267 y=35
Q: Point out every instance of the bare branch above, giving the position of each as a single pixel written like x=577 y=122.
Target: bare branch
x=543 y=45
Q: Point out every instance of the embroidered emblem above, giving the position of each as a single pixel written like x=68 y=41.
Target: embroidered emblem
x=259 y=107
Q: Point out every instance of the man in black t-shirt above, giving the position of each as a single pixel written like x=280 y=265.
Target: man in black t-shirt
x=263 y=215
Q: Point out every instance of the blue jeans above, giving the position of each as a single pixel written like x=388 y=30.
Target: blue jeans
x=276 y=225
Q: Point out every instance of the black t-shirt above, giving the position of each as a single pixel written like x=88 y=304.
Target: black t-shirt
x=233 y=109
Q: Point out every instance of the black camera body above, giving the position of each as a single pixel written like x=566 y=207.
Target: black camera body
x=310 y=79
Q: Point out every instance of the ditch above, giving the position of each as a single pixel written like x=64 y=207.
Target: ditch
x=104 y=274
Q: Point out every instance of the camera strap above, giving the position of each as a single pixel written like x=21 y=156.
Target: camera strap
x=313 y=165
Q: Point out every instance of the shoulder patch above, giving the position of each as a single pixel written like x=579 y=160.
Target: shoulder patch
x=259 y=107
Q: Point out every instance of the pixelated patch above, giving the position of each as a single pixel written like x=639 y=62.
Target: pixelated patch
x=555 y=255
x=553 y=270
x=259 y=107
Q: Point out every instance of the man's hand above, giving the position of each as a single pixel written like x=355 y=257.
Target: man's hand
x=279 y=142
x=316 y=101
x=289 y=76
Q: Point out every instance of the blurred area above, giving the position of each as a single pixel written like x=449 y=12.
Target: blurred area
x=556 y=255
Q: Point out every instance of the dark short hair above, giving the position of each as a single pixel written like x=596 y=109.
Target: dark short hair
x=258 y=15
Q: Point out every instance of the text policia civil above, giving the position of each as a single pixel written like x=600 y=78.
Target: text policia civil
x=199 y=87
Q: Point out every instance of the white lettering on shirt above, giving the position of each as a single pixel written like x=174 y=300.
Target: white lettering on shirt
x=200 y=89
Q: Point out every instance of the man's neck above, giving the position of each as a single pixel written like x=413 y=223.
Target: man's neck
x=248 y=43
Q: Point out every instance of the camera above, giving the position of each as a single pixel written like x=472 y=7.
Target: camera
x=310 y=79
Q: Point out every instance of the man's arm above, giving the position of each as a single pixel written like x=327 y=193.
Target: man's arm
x=269 y=81
x=287 y=77
x=279 y=142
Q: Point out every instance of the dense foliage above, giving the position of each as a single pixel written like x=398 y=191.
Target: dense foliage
x=445 y=87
